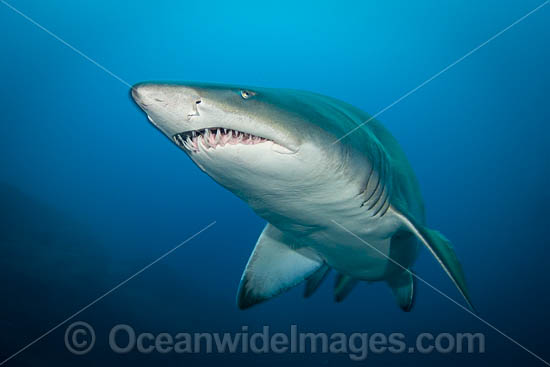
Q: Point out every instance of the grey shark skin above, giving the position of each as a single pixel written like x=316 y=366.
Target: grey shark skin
x=277 y=150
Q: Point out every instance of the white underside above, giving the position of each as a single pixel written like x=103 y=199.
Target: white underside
x=303 y=202
x=362 y=252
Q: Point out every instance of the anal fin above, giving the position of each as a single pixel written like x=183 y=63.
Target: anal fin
x=403 y=288
x=343 y=286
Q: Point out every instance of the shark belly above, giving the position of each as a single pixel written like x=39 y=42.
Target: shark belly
x=317 y=226
x=366 y=254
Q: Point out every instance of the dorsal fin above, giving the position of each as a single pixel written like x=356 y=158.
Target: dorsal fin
x=273 y=267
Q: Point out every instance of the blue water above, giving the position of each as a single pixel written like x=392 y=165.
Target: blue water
x=91 y=192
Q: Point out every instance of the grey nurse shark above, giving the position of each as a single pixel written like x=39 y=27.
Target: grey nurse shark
x=352 y=205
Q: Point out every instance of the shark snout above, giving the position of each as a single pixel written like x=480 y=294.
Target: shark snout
x=147 y=94
x=170 y=107
x=165 y=95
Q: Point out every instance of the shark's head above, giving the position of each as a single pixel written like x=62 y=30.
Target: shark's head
x=257 y=142
x=191 y=115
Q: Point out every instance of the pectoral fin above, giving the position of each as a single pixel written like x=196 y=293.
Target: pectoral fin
x=273 y=267
x=442 y=250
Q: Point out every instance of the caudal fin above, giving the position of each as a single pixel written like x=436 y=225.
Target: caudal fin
x=443 y=251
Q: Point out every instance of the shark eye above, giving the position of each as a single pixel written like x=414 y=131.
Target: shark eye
x=246 y=94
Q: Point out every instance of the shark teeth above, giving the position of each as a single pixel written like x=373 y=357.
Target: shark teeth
x=212 y=138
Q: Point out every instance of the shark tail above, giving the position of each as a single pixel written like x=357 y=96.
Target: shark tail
x=442 y=250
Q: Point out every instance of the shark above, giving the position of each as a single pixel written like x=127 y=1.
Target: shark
x=350 y=204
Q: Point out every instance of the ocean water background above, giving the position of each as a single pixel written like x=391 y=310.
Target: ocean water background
x=91 y=192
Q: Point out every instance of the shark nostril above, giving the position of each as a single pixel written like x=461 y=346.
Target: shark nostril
x=195 y=111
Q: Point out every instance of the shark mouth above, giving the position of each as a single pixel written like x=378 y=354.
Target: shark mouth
x=211 y=138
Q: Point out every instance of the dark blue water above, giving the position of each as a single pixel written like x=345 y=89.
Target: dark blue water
x=91 y=192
